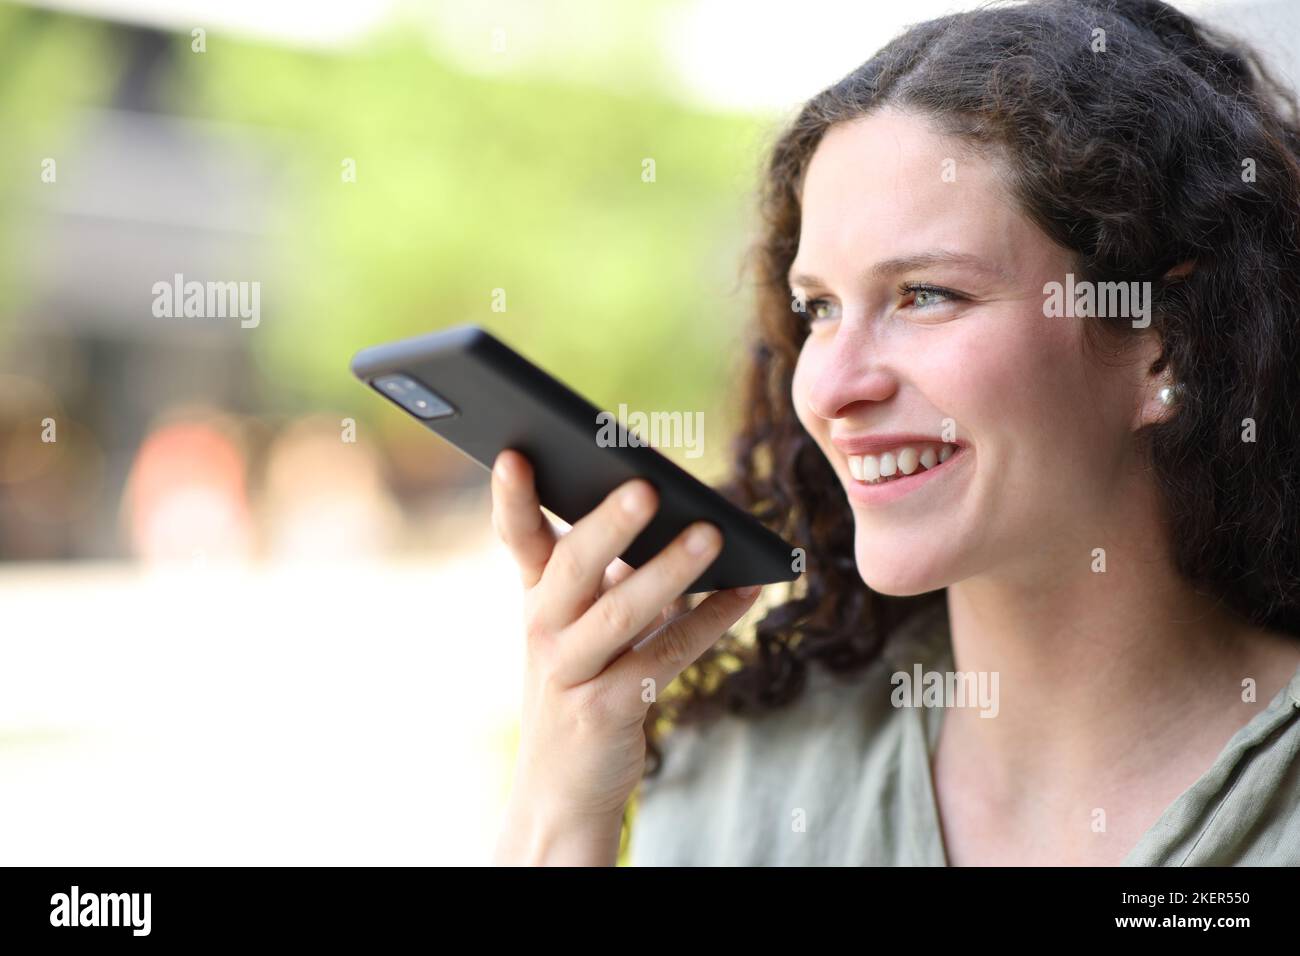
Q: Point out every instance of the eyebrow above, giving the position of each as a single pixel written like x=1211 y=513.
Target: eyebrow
x=887 y=267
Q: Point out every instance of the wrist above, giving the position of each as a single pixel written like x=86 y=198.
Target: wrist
x=534 y=835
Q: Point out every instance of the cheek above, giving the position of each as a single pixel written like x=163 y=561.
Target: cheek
x=1011 y=375
x=1022 y=392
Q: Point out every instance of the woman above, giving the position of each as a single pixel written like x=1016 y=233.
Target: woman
x=1026 y=391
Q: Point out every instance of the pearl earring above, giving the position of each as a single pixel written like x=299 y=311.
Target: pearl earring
x=1169 y=394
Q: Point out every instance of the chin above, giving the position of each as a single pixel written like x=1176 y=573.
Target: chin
x=885 y=573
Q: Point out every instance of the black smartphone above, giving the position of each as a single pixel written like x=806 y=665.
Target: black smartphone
x=483 y=397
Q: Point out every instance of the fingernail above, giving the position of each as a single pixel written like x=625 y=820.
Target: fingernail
x=502 y=471
x=748 y=592
x=700 y=539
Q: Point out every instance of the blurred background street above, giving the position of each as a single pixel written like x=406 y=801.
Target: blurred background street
x=249 y=612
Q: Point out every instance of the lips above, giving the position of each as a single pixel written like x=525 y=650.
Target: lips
x=900 y=461
x=883 y=446
x=883 y=467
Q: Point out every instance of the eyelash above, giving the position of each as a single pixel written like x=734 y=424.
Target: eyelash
x=903 y=289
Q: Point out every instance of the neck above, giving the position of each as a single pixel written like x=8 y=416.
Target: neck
x=1101 y=674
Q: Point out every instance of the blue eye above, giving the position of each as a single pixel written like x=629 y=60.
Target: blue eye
x=815 y=310
x=937 y=294
x=924 y=297
x=819 y=310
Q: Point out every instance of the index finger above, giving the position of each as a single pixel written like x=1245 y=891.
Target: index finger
x=518 y=517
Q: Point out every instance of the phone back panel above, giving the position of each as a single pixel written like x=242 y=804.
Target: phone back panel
x=501 y=400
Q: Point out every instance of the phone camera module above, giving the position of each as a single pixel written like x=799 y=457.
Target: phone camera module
x=414 y=397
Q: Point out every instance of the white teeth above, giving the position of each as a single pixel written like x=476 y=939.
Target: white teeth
x=903 y=461
x=908 y=459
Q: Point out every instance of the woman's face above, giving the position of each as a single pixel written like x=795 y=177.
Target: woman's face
x=1043 y=434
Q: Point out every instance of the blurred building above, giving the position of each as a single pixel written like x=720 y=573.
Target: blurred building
x=141 y=196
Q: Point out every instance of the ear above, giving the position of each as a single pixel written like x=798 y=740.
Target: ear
x=1152 y=408
x=1157 y=375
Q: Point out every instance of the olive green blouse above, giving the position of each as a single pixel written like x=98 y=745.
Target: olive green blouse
x=842 y=777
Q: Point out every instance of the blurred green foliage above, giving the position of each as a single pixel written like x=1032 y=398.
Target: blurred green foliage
x=50 y=66
x=629 y=290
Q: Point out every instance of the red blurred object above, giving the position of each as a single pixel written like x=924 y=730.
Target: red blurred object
x=187 y=496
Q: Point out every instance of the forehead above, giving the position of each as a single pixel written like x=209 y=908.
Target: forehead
x=888 y=183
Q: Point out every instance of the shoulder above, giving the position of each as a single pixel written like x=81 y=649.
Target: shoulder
x=789 y=785
x=1246 y=809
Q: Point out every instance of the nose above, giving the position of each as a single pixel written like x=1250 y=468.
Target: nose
x=846 y=375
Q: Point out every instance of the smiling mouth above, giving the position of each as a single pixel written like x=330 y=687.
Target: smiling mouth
x=901 y=462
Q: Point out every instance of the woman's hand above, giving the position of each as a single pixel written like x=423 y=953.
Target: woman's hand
x=601 y=642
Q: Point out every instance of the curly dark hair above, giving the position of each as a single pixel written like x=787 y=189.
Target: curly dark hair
x=1133 y=159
